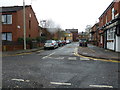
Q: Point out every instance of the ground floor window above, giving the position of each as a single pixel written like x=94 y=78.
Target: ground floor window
x=111 y=33
x=7 y=36
x=101 y=40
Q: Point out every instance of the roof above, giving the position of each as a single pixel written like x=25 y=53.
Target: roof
x=107 y=8
x=67 y=32
x=12 y=8
x=72 y=30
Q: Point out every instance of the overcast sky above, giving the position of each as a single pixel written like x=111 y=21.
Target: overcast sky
x=67 y=13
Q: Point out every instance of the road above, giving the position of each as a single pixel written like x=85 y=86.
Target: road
x=59 y=68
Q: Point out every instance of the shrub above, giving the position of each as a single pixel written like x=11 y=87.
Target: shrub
x=41 y=39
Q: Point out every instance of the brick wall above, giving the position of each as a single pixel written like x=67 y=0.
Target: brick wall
x=32 y=30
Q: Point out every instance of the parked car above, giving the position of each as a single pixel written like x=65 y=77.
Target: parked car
x=51 y=44
x=63 y=42
x=68 y=41
x=59 y=43
x=83 y=42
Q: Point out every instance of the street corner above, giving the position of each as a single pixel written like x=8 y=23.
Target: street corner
x=18 y=53
x=79 y=53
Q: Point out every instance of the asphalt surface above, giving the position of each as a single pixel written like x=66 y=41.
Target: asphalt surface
x=59 y=68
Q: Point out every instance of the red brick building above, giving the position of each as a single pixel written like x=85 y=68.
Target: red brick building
x=109 y=27
x=75 y=34
x=12 y=23
x=94 y=34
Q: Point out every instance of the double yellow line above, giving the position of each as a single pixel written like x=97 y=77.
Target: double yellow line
x=16 y=54
x=106 y=60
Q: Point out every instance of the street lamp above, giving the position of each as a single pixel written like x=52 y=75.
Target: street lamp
x=24 y=24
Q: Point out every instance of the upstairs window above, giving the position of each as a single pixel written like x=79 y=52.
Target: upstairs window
x=113 y=11
x=7 y=19
x=29 y=24
x=106 y=19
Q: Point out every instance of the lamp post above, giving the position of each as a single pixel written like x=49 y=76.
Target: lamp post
x=24 y=24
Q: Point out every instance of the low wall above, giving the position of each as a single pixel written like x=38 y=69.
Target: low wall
x=12 y=46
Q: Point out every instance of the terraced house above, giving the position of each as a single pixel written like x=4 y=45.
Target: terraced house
x=12 y=25
x=109 y=27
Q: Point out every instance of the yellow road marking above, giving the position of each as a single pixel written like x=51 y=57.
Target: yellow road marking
x=17 y=54
x=76 y=53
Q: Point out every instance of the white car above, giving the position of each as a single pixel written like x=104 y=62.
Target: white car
x=67 y=41
x=51 y=44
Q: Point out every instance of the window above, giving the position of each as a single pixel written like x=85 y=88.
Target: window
x=113 y=10
x=30 y=15
x=101 y=39
x=7 y=36
x=29 y=24
x=106 y=18
x=7 y=19
x=110 y=34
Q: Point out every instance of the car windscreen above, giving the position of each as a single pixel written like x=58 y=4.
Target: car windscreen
x=49 y=41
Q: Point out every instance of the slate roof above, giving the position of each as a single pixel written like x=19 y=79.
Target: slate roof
x=11 y=8
x=72 y=30
x=67 y=32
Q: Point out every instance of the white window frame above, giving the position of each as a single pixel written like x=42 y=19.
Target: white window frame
x=113 y=15
x=101 y=39
x=7 y=19
x=110 y=34
x=7 y=36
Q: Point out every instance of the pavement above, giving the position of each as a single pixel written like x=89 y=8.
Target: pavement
x=90 y=51
x=99 y=53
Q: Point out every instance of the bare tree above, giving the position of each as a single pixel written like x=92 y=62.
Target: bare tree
x=51 y=26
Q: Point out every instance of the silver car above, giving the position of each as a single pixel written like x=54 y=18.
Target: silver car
x=51 y=44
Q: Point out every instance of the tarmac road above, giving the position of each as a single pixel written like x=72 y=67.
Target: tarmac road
x=59 y=68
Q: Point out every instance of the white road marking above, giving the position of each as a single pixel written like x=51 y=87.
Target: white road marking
x=20 y=80
x=27 y=80
x=61 y=48
x=72 y=58
x=101 y=86
x=84 y=59
x=48 y=55
x=58 y=57
x=76 y=49
x=59 y=83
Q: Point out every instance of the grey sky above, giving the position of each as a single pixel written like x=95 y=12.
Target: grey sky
x=67 y=13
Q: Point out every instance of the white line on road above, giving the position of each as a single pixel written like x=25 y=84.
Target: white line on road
x=48 y=55
x=72 y=58
x=20 y=80
x=101 y=86
x=59 y=83
x=61 y=48
x=57 y=58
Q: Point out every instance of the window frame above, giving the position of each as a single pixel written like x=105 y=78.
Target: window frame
x=7 y=19
x=7 y=37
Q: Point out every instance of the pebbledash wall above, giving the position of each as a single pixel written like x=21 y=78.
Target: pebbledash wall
x=110 y=26
x=12 y=24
